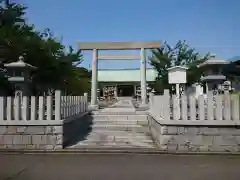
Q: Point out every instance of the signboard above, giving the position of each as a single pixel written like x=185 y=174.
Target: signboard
x=177 y=75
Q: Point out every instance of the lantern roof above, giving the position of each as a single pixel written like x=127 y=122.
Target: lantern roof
x=19 y=63
x=213 y=61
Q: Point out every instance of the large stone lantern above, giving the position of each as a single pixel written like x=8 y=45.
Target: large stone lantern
x=19 y=74
x=212 y=73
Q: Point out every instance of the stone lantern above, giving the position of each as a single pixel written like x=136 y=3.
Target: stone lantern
x=19 y=74
x=212 y=73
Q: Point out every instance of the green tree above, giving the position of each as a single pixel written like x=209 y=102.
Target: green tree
x=55 y=64
x=232 y=70
x=179 y=55
x=80 y=81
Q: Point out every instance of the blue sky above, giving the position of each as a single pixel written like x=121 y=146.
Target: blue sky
x=207 y=25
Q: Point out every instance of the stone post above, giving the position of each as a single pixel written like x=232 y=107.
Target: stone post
x=143 y=77
x=135 y=90
x=57 y=105
x=177 y=90
x=86 y=97
x=206 y=86
x=85 y=102
x=85 y=94
x=115 y=91
x=94 y=80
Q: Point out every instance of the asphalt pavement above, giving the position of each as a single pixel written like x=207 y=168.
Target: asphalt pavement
x=118 y=167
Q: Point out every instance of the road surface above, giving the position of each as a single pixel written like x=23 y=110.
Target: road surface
x=122 y=167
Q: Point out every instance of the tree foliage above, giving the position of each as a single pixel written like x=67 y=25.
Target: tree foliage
x=179 y=55
x=232 y=70
x=56 y=64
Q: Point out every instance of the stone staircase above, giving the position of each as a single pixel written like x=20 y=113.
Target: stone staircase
x=118 y=126
x=112 y=129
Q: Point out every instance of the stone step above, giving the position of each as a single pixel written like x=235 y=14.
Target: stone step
x=130 y=127
x=112 y=144
x=119 y=138
x=118 y=147
x=120 y=122
x=127 y=141
x=120 y=117
x=118 y=144
x=118 y=109
x=120 y=133
x=120 y=113
x=144 y=138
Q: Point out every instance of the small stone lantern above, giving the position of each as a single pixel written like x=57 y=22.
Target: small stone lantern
x=19 y=74
x=212 y=73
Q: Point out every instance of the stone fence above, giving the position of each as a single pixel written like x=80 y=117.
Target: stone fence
x=37 y=122
x=190 y=124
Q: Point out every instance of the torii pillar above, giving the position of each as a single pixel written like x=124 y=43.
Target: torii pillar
x=94 y=103
x=143 y=77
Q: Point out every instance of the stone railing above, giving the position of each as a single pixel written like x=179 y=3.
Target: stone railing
x=72 y=106
x=40 y=110
x=210 y=110
x=37 y=122
x=190 y=124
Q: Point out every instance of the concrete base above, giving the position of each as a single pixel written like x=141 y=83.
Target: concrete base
x=42 y=137
x=182 y=138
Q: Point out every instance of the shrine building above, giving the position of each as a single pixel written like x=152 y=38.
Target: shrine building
x=126 y=82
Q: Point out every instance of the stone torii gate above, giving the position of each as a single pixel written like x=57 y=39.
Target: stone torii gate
x=96 y=46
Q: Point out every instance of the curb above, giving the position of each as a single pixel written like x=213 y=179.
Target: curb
x=113 y=151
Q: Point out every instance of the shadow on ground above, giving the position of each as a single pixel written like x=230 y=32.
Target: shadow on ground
x=77 y=130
